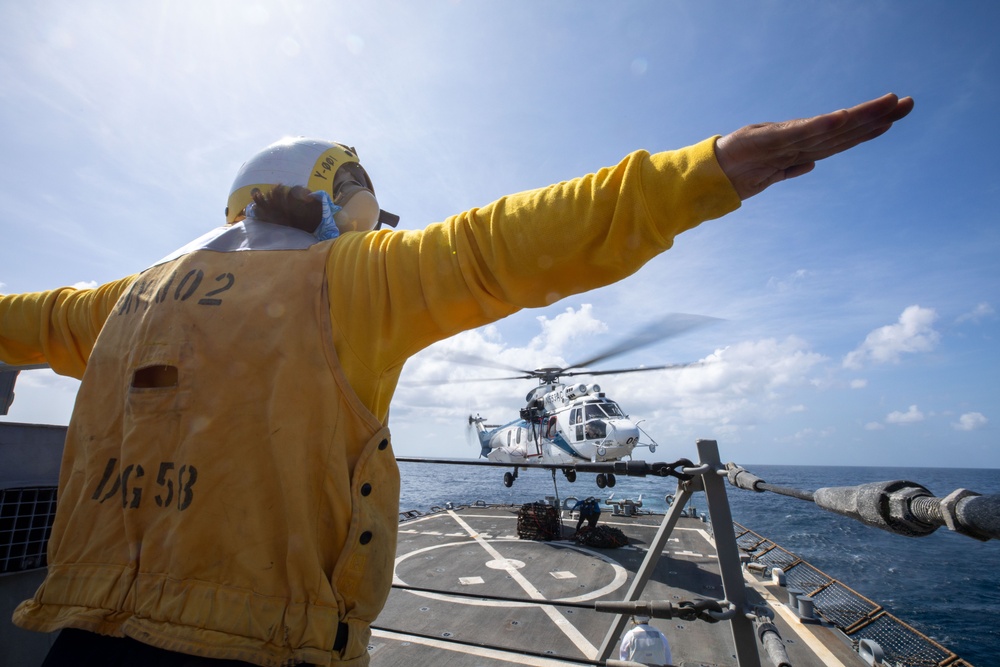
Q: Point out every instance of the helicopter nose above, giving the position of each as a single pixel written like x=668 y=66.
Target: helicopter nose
x=625 y=430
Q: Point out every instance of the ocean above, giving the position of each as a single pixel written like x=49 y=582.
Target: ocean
x=946 y=585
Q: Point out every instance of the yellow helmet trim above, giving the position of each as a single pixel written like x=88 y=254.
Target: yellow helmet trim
x=293 y=161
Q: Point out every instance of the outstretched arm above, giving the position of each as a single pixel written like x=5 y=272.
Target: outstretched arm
x=58 y=327
x=757 y=156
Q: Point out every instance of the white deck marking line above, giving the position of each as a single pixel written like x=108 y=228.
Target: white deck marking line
x=821 y=651
x=493 y=654
x=567 y=628
x=425 y=517
x=621 y=576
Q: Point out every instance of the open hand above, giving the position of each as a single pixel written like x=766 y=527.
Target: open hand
x=757 y=156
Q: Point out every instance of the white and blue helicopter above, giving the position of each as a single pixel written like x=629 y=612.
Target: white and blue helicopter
x=573 y=422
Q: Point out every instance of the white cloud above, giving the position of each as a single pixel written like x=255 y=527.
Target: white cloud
x=42 y=397
x=970 y=421
x=981 y=311
x=730 y=391
x=859 y=383
x=809 y=435
x=450 y=379
x=789 y=281
x=912 y=415
x=564 y=327
x=874 y=426
x=85 y=284
x=912 y=333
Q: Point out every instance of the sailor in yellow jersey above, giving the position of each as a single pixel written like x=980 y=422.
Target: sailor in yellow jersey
x=228 y=490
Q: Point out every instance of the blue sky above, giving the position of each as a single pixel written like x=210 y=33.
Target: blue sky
x=859 y=302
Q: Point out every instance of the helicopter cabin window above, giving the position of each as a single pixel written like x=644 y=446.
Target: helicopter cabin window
x=508 y=438
x=519 y=436
x=551 y=430
x=576 y=417
x=596 y=429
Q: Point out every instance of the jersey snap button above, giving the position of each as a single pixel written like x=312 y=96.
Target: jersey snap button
x=366 y=488
x=383 y=444
x=366 y=537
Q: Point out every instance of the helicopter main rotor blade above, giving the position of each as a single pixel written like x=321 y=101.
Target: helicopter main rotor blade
x=693 y=364
x=667 y=327
x=473 y=360
x=438 y=383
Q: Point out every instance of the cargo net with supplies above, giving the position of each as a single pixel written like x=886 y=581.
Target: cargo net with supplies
x=538 y=521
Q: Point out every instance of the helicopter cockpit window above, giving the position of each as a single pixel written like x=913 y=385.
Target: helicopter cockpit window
x=603 y=410
x=613 y=410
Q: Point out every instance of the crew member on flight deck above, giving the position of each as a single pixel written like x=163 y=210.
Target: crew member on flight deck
x=645 y=644
x=590 y=511
x=228 y=489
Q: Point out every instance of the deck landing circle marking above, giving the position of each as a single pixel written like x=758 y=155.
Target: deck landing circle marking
x=505 y=564
x=621 y=576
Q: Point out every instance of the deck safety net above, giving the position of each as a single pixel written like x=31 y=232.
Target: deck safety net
x=26 y=516
x=855 y=615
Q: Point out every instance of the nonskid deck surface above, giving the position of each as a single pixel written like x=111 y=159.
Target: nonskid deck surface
x=476 y=551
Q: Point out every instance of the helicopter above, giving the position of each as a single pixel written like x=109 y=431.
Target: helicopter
x=572 y=422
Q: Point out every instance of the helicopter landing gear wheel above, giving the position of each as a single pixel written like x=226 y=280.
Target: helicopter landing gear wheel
x=602 y=480
x=570 y=475
x=611 y=480
x=508 y=480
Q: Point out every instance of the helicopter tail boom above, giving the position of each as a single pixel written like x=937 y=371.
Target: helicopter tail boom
x=482 y=434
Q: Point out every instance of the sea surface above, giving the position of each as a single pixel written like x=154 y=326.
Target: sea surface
x=946 y=585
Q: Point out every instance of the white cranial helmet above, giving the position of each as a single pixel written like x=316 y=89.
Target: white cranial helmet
x=317 y=165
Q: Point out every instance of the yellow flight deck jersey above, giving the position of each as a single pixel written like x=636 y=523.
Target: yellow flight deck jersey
x=228 y=487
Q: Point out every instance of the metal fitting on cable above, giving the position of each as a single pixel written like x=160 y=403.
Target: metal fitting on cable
x=971 y=514
x=728 y=611
x=910 y=509
x=884 y=505
x=697 y=470
x=651 y=608
x=773 y=645
x=740 y=478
